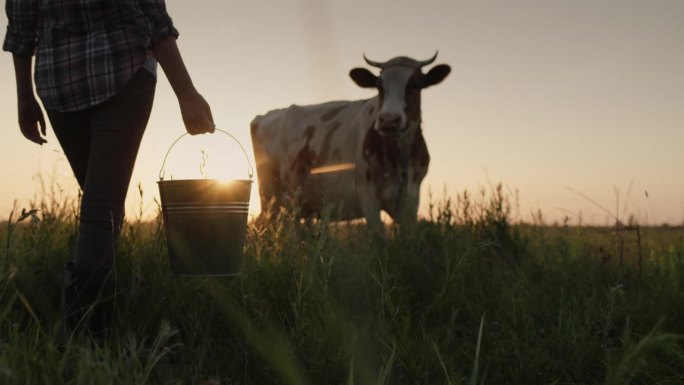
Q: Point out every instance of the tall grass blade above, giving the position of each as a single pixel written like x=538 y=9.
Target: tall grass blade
x=350 y=376
x=386 y=370
x=28 y=307
x=441 y=362
x=473 y=376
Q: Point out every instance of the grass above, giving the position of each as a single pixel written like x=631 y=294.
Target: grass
x=466 y=297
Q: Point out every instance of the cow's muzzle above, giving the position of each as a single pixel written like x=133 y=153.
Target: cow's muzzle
x=390 y=124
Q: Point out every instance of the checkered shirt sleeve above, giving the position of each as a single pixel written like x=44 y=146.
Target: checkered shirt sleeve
x=21 y=33
x=159 y=24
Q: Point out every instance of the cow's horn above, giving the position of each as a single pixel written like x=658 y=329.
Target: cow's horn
x=373 y=63
x=429 y=61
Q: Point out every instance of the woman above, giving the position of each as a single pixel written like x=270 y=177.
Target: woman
x=95 y=74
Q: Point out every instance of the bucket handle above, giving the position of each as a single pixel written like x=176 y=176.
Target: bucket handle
x=250 y=170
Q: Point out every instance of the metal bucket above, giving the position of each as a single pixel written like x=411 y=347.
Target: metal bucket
x=205 y=221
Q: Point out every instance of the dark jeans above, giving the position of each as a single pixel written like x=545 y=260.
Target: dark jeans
x=101 y=145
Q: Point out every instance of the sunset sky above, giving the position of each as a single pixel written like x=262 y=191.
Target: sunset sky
x=563 y=101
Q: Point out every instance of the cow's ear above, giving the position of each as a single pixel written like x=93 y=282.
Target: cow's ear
x=436 y=74
x=363 y=78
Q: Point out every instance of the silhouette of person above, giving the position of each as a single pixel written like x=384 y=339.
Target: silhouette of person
x=95 y=74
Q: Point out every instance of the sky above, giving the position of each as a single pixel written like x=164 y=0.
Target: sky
x=578 y=106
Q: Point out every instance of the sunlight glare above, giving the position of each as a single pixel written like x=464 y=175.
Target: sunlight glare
x=333 y=168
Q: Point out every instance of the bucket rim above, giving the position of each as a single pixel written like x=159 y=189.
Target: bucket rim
x=204 y=181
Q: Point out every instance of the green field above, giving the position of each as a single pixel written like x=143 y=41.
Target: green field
x=468 y=296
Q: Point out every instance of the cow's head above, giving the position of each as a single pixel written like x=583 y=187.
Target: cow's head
x=399 y=84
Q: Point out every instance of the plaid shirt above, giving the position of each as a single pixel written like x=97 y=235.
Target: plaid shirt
x=86 y=50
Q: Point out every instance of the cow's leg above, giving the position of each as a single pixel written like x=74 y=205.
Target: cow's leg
x=268 y=174
x=270 y=190
x=407 y=215
x=370 y=206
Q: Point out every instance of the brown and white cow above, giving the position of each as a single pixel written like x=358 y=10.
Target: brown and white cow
x=362 y=156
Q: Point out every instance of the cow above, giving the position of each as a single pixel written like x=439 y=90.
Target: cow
x=360 y=156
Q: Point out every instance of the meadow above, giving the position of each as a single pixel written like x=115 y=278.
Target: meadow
x=467 y=296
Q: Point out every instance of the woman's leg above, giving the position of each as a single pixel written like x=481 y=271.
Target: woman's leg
x=117 y=127
x=101 y=145
x=72 y=130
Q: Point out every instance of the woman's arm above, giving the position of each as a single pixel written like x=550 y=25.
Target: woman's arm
x=194 y=109
x=20 y=39
x=31 y=119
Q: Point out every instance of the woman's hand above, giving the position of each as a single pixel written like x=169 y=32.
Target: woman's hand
x=31 y=120
x=196 y=113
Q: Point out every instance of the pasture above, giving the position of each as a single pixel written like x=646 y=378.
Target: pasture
x=468 y=296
